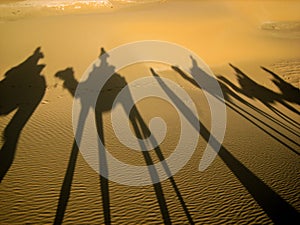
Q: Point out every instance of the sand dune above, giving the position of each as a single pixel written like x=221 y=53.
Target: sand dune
x=251 y=48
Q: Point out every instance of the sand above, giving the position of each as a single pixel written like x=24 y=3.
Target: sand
x=253 y=180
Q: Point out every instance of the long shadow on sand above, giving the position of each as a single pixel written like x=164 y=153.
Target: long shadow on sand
x=104 y=103
x=22 y=89
x=288 y=91
x=230 y=95
x=251 y=89
x=278 y=210
x=70 y=83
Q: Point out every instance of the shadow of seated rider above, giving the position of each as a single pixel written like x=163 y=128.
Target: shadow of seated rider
x=109 y=91
x=288 y=91
x=22 y=84
x=253 y=90
x=23 y=89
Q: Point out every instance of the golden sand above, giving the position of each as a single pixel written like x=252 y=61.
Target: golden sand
x=255 y=178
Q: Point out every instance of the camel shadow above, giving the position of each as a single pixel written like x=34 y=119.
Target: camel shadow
x=279 y=211
x=229 y=93
x=253 y=90
x=288 y=91
x=104 y=103
x=22 y=89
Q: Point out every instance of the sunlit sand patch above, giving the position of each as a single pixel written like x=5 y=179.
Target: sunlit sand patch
x=12 y=10
x=289 y=29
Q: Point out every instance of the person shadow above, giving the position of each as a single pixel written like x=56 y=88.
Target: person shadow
x=278 y=210
x=22 y=89
x=104 y=103
x=70 y=83
x=229 y=97
x=288 y=91
x=253 y=90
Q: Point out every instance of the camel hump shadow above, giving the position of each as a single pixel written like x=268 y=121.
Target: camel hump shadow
x=23 y=85
x=22 y=89
x=107 y=94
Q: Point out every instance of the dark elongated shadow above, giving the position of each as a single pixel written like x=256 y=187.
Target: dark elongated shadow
x=23 y=89
x=226 y=83
x=253 y=90
x=105 y=103
x=66 y=186
x=114 y=85
x=142 y=131
x=279 y=211
x=102 y=105
x=229 y=94
x=288 y=91
x=256 y=120
x=70 y=83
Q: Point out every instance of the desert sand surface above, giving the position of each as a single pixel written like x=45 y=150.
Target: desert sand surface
x=251 y=47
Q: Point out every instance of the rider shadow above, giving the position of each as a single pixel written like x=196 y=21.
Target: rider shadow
x=230 y=95
x=105 y=103
x=253 y=90
x=22 y=89
x=279 y=211
x=70 y=83
x=288 y=91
